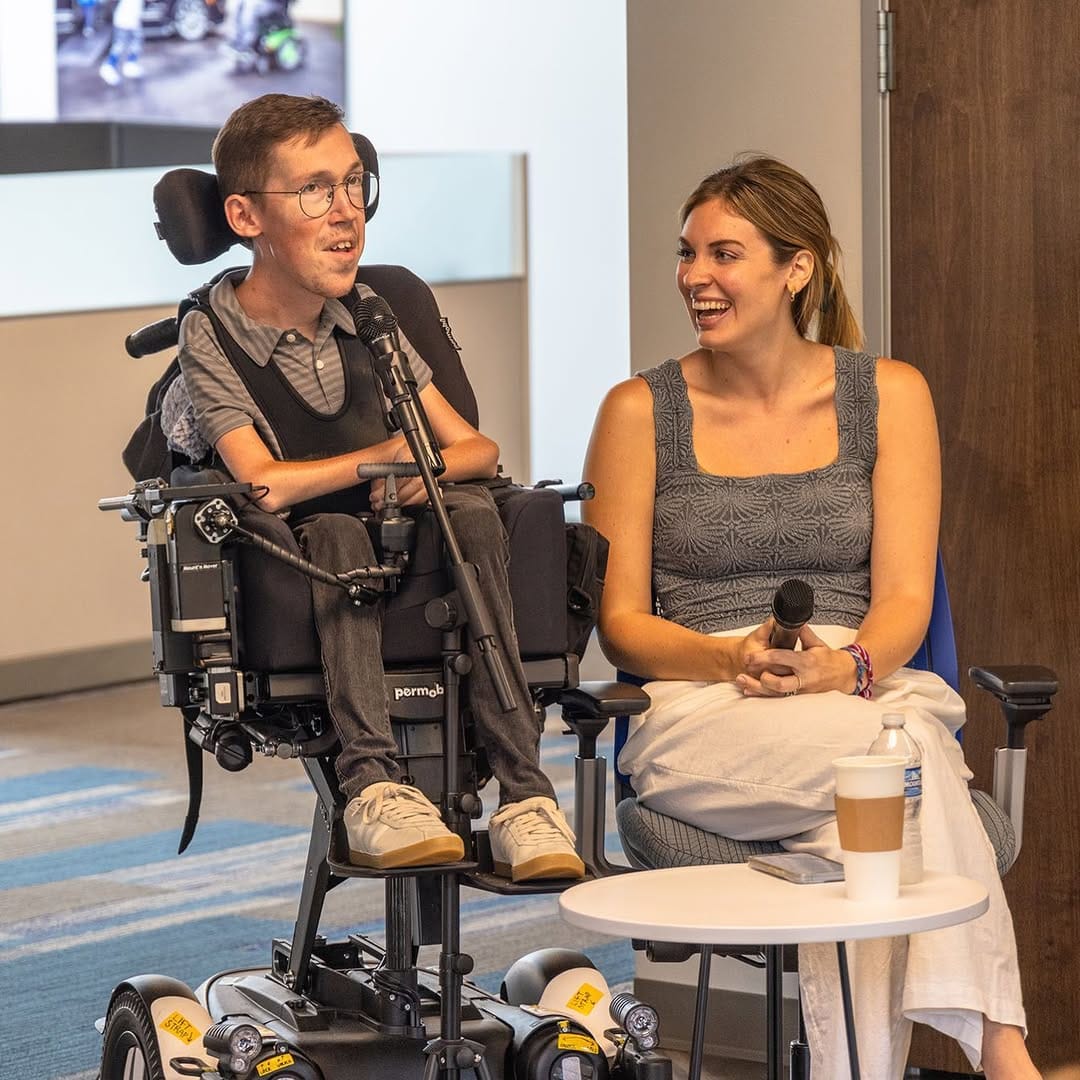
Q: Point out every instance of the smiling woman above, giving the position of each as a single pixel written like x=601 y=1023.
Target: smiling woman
x=776 y=450
x=750 y=208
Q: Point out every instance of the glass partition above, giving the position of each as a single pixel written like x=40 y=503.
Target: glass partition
x=85 y=241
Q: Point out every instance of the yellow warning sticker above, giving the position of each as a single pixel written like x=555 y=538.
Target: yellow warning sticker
x=582 y=1043
x=179 y=1025
x=273 y=1064
x=585 y=999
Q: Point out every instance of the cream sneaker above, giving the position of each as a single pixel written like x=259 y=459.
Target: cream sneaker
x=531 y=839
x=391 y=825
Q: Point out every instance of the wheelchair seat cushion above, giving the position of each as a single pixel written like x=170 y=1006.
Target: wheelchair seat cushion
x=277 y=620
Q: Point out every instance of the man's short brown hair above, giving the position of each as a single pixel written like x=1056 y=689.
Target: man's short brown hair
x=244 y=147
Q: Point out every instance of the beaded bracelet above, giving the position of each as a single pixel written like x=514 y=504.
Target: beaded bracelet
x=864 y=669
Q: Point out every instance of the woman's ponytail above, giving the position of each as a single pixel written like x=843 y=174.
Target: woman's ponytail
x=836 y=324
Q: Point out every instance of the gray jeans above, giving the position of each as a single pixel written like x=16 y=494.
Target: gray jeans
x=350 y=639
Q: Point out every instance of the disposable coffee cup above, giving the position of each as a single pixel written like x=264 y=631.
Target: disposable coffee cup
x=870 y=817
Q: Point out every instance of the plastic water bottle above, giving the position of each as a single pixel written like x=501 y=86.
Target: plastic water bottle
x=895 y=741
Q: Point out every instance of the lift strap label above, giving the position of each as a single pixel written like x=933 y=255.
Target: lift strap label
x=177 y=1024
x=584 y=999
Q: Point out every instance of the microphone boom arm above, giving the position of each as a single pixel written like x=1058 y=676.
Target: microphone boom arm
x=376 y=326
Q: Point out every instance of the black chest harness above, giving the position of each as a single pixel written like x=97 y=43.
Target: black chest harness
x=302 y=432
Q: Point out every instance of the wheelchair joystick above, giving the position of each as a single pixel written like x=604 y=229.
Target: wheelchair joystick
x=396 y=531
x=215 y=521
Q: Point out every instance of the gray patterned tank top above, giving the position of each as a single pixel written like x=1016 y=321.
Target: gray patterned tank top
x=723 y=544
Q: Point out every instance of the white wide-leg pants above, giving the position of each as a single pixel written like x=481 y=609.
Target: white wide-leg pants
x=761 y=768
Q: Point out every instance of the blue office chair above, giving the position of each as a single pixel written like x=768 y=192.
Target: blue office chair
x=653 y=840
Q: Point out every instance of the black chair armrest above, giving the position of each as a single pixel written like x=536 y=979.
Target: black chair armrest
x=602 y=700
x=588 y=707
x=1025 y=691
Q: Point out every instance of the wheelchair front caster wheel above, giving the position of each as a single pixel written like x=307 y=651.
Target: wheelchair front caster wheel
x=130 y=1047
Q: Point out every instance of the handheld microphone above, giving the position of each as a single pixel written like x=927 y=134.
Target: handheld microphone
x=376 y=326
x=792 y=608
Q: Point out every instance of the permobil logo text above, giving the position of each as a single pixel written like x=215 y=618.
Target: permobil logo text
x=418 y=691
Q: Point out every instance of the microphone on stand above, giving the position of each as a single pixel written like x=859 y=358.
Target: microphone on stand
x=792 y=608
x=376 y=326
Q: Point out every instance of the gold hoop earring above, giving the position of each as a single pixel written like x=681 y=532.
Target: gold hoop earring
x=794 y=293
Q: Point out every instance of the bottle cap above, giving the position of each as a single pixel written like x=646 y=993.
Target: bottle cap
x=893 y=720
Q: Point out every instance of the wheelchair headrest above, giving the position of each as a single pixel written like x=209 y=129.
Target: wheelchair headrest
x=191 y=217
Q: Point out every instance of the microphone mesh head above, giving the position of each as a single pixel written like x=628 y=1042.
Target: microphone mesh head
x=373 y=318
x=793 y=604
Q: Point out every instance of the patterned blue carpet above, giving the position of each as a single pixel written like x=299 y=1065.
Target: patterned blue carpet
x=91 y=889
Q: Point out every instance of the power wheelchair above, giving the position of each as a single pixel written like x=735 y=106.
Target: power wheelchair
x=235 y=651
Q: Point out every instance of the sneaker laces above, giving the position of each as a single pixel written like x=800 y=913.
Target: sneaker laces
x=398 y=804
x=536 y=821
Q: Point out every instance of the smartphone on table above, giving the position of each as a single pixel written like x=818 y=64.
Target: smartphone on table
x=798 y=866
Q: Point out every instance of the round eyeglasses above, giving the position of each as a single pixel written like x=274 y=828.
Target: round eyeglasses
x=317 y=196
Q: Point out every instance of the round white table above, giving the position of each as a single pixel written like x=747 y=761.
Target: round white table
x=734 y=905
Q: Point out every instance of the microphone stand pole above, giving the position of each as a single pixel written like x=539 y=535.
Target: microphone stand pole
x=400 y=388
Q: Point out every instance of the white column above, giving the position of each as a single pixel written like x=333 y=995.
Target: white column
x=549 y=80
x=27 y=60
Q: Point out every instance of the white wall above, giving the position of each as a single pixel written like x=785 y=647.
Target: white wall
x=547 y=79
x=27 y=60
x=708 y=79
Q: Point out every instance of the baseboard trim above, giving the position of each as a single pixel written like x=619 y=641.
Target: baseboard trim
x=74 y=669
x=736 y=1019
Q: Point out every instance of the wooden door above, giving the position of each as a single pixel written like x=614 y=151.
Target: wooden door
x=985 y=221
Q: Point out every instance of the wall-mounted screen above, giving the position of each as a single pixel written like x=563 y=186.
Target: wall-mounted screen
x=191 y=62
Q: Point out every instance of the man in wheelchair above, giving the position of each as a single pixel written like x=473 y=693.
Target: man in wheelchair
x=280 y=400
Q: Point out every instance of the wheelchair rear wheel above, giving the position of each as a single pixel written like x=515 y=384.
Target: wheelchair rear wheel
x=130 y=1050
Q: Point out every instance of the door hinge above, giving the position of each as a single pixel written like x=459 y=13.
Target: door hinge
x=886 y=76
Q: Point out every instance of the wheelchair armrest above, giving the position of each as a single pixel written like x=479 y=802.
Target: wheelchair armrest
x=1025 y=693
